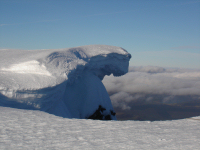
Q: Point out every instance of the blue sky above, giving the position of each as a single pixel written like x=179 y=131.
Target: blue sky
x=158 y=32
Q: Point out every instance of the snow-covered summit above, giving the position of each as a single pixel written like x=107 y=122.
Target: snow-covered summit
x=65 y=82
x=55 y=66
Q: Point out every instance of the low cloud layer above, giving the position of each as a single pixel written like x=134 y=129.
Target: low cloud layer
x=153 y=84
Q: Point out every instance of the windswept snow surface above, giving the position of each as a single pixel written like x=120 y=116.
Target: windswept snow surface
x=31 y=129
x=64 y=82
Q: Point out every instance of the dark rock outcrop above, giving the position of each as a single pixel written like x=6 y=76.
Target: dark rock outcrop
x=99 y=115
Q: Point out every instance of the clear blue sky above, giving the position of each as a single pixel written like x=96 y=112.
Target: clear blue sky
x=156 y=32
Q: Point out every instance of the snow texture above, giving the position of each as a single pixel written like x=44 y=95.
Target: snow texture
x=31 y=129
x=64 y=82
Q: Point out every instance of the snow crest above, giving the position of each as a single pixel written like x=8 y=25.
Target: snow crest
x=64 y=82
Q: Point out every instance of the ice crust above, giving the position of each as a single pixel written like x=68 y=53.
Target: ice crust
x=64 y=82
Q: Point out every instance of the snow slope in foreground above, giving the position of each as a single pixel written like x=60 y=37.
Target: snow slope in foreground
x=64 y=82
x=31 y=129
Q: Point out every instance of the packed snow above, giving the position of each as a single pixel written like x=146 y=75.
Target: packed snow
x=31 y=129
x=64 y=82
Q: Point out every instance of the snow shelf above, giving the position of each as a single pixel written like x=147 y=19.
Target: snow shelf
x=64 y=82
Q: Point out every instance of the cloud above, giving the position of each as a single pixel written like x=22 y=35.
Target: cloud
x=4 y=49
x=153 y=84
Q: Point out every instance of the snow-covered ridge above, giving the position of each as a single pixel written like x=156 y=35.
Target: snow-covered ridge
x=65 y=82
x=29 y=67
x=101 y=60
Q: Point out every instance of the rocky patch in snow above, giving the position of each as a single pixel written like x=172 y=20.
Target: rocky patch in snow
x=100 y=115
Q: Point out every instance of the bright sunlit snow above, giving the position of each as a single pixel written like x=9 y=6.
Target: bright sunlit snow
x=27 y=129
x=29 y=67
x=64 y=82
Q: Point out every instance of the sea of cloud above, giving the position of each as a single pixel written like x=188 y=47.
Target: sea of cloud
x=152 y=84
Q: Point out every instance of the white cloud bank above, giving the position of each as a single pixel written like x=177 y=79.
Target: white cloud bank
x=153 y=84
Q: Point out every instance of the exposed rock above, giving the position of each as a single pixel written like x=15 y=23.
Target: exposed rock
x=112 y=112
x=99 y=115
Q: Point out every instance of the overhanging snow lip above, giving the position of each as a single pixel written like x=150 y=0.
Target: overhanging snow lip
x=111 y=59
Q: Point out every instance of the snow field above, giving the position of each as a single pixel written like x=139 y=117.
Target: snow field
x=27 y=129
